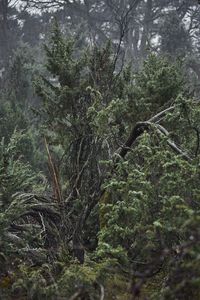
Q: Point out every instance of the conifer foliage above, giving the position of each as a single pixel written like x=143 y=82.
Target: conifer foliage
x=114 y=212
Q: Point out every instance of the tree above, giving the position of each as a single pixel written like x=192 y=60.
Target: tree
x=135 y=23
x=115 y=210
x=174 y=42
x=144 y=215
x=86 y=83
x=9 y=29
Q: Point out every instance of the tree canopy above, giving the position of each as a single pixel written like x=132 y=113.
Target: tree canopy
x=99 y=150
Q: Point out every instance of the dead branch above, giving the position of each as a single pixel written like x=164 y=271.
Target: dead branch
x=161 y=114
x=54 y=172
x=141 y=127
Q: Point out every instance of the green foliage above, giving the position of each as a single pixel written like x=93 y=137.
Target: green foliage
x=23 y=216
x=60 y=280
x=144 y=218
x=135 y=217
x=156 y=85
x=77 y=109
x=10 y=118
x=15 y=173
x=150 y=219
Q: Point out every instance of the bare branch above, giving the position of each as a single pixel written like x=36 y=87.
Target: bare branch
x=139 y=129
x=57 y=189
x=161 y=114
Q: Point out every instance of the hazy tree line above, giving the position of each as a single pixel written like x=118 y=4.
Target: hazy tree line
x=99 y=151
x=141 y=26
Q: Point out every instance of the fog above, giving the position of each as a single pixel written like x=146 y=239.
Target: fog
x=138 y=26
x=99 y=149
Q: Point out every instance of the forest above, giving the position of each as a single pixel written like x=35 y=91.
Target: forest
x=99 y=149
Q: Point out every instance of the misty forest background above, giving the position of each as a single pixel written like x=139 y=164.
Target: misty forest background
x=99 y=149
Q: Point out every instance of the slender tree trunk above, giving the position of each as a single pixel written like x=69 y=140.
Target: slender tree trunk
x=146 y=29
